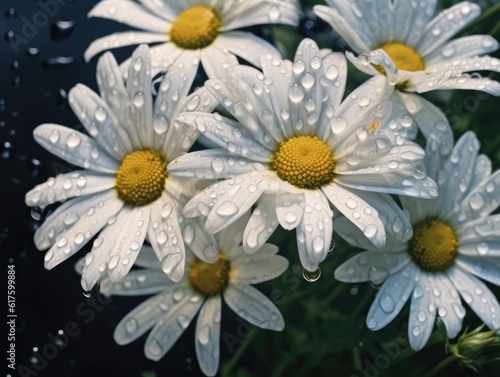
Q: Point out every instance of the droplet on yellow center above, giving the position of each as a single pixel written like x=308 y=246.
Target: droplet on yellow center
x=141 y=177
x=304 y=161
x=195 y=28
x=210 y=278
x=433 y=246
x=404 y=57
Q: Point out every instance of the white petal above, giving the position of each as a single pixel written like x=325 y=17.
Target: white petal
x=359 y=212
x=212 y=164
x=74 y=147
x=481 y=172
x=289 y=209
x=257 y=270
x=229 y=238
x=422 y=314
x=137 y=282
x=228 y=134
x=139 y=91
x=253 y=307
x=445 y=25
x=69 y=185
x=172 y=325
x=166 y=236
x=443 y=81
x=216 y=61
x=484 y=267
x=128 y=241
x=62 y=219
x=449 y=307
x=233 y=203
x=411 y=19
x=261 y=224
x=477 y=295
x=207 y=342
x=147 y=258
x=362 y=63
x=129 y=13
x=84 y=229
x=464 y=47
x=199 y=241
x=371 y=266
x=166 y=10
x=391 y=298
x=99 y=121
x=480 y=237
x=121 y=39
x=305 y=92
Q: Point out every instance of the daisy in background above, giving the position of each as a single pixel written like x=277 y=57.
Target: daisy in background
x=455 y=241
x=124 y=189
x=174 y=306
x=298 y=148
x=191 y=31
x=399 y=39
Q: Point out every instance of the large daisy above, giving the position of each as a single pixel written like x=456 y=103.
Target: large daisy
x=191 y=31
x=400 y=39
x=123 y=188
x=174 y=306
x=455 y=241
x=298 y=149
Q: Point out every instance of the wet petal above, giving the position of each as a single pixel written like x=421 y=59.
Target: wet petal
x=261 y=224
x=207 y=342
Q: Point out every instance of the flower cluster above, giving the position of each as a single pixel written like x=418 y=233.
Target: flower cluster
x=284 y=146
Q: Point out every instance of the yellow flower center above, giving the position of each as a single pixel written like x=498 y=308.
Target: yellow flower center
x=404 y=57
x=210 y=279
x=433 y=246
x=304 y=161
x=141 y=177
x=196 y=27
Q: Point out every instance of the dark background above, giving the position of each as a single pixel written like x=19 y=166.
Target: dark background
x=38 y=66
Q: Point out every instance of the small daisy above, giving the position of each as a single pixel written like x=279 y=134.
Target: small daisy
x=399 y=39
x=194 y=30
x=455 y=241
x=302 y=148
x=171 y=311
x=124 y=188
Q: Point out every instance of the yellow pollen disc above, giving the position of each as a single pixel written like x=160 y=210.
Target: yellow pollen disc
x=404 y=57
x=433 y=246
x=210 y=279
x=195 y=28
x=141 y=177
x=304 y=161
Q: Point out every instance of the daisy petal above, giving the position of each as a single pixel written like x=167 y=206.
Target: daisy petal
x=128 y=241
x=165 y=235
x=129 y=13
x=228 y=134
x=461 y=48
x=253 y=306
x=445 y=25
x=443 y=82
x=139 y=89
x=422 y=314
x=207 y=341
x=362 y=63
x=482 y=266
x=144 y=316
x=371 y=266
x=201 y=243
x=69 y=185
x=137 y=282
x=84 y=229
x=449 y=307
x=359 y=212
x=121 y=39
x=229 y=238
x=63 y=218
x=289 y=209
x=477 y=295
x=74 y=147
x=391 y=298
x=165 y=10
x=170 y=327
x=216 y=61
x=261 y=224
x=481 y=172
x=212 y=164
x=257 y=270
x=246 y=45
x=99 y=121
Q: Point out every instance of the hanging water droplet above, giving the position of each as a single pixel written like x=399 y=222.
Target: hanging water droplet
x=311 y=277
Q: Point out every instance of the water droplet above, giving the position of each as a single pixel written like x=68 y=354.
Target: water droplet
x=73 y=140
x=131 y=325
x=387 y=303
x=204 y=334
x=227 y=209
x=311 y=277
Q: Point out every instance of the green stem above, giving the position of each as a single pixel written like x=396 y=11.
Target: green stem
x=443 y=364
x=407 y=352
x=334 y=293
x=356 y=359
x=239 y=352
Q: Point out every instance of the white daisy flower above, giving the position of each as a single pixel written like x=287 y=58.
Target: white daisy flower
x=302 y=148
x=399 y=39
x=171 y=311
x=455 y=241
x=191 y=31
x=124 y=188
